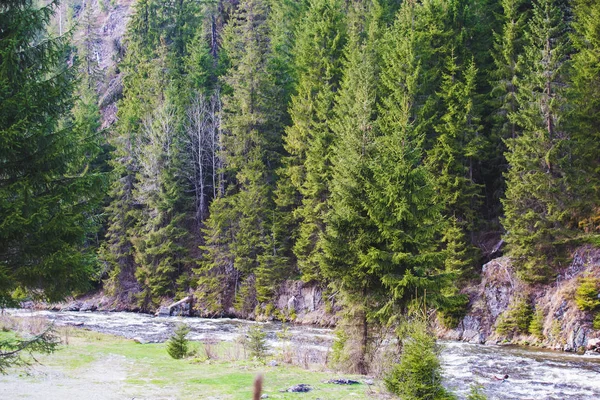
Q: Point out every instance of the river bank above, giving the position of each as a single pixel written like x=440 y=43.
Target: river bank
x=491 y=296
x=534 y=373
x=98 y=366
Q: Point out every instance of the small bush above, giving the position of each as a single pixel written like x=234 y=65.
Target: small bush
x=211 y=349
x=516 y=319
x=586 y=295
x=596 y=323
x=285 y=350
x=178 y=346
x=536 y=326
x=339 y=357
x=555 y=331
x=476 y=393
x=451 y=315
x=418 y=375
x=257 y=343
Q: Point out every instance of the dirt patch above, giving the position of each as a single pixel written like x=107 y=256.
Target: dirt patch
x=103 y=379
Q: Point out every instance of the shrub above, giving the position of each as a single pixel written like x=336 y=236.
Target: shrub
x=596 y=323
x=257 y=342
x=177 y=346
x=586 y=295
x=418 y=375
x=269 y=309
x=451 y=314
x=555 y=330
x=285 y=350
x=476 y=393
x=536 y=326
x=516 y=319
x=339 y=357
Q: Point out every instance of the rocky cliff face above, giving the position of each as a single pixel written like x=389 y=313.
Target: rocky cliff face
x=108 y=20
x=565 y=327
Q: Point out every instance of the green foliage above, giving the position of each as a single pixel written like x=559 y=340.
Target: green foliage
x=457 y=145
x=257 y=343
x=516 y=319
x=339 y=355
x=49 y=187
x=539 y=192
x=555 y=330
x=453 y=311
x=536 y=326
x=586 y=295
x=178 y=345
x=584 y=118
x=12 y=350
x=251 y=150
x=418 y=374
x=318 y=54
x=596 y=322
x=476 y=393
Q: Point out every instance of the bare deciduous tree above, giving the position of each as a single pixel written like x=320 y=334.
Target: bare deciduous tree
x=202 y=144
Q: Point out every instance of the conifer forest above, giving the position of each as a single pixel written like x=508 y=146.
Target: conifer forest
x=381 y=149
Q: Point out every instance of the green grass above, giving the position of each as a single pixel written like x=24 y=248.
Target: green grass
x=148 y=371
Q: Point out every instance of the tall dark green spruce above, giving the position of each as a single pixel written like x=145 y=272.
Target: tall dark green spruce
x=539 y=193
x=48 y=189
x=452 y=160
x=238 y=232
x=507 y=46
x=584 y=118
x=309 y=140
x=151 y=214
x=349 y=232
x=400 y=202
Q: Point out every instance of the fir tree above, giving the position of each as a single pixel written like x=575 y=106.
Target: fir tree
x=48 y=189
x=308 y=140
x=177 y=345
x=538 y=193
x=349 y=231
x=239 y=226
x=507 y=46
x=584 y=118
x=454 y=154
x=400 y=199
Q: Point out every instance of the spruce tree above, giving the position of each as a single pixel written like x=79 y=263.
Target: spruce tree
x=539 y=192
x=48 y=187
x=400 y=200
x=238 y=230
x=507 y=46
x=177 y=345
x=584 y=117
x=149 y=234
x=318 y=52
x=349 y=232
x=454 y=154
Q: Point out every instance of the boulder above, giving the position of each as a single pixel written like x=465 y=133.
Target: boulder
x=88 y=306
x=163 y=312
x=75 y=306
x=593 y=345
x=301 y=388
x=343 y=381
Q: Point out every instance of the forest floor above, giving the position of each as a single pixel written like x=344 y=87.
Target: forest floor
x=96 y=366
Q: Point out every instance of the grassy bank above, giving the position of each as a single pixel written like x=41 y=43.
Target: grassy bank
x=96 y=366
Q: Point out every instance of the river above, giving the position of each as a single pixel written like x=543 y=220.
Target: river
x=533 y=373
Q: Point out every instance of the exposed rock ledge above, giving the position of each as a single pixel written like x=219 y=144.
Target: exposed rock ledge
x=303 y=300
x=565 y=327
